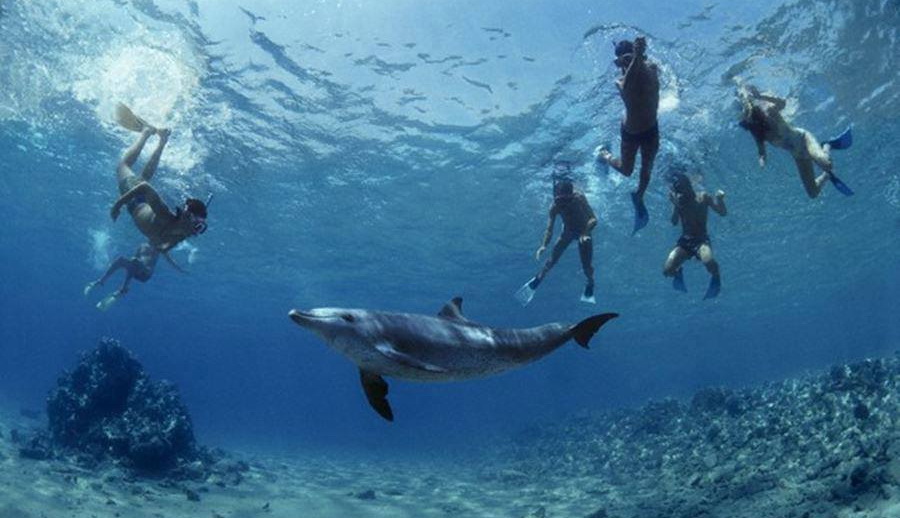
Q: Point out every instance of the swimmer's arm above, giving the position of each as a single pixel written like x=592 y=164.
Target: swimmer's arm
x=173 y=263
x=675 y=214
x=717 y=203
x=638 y=62
x=548 y=234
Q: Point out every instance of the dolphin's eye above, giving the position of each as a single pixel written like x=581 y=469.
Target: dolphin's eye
x=348 y=317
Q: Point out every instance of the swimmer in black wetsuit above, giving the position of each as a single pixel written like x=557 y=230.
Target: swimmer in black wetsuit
x=140 y=267
x=692 y=209
x=578 y=222
x=639 y=88
x=163 y=228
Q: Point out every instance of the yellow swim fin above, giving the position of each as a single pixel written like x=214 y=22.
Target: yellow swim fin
x=128 y=120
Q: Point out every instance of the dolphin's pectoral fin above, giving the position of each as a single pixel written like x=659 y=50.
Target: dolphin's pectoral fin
x=399 y=357
x=376 y=392
x=452 y=310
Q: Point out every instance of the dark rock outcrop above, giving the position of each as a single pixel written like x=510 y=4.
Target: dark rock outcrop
x=109 y=408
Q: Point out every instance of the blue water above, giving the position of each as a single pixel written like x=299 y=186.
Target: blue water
x=392 y=155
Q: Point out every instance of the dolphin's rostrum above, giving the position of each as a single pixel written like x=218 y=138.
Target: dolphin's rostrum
x=447 y=347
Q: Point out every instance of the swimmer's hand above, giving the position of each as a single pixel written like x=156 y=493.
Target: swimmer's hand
x=640 y=46
x=115 y=210
x=720 y=194
x=762 y=161
x=539 y=253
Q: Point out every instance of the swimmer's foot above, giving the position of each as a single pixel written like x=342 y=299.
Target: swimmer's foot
x=588 y=294
x=715 y=286
x=641 y=216
x=678 y=281
x=526 y=292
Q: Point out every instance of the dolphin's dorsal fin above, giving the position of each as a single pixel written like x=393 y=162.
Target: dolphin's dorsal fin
x=376 y=390
x=452 y=310
x=390 y=352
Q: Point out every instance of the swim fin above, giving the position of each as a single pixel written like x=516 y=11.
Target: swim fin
x=526 y=292
x=588 y=294
x=715 y=285
x=641 y=216
x=840 y=186
x=128 y=120
x=90 y=287
x=107 y=302
x=678 y=281
x=842 y=141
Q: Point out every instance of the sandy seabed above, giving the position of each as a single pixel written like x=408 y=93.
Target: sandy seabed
x=825 y=445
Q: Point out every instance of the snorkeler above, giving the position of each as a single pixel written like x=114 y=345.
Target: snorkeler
x=578 y=221
x=692 y=209
x=761 y=116
x=140 y=267
x=639 y=88
x=163 y=228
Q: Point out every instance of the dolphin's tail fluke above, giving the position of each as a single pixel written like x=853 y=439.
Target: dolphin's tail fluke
x=584 y=330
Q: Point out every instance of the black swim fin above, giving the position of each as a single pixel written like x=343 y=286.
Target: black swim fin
x=842 y=141
x=641 y=216
x=583 y=331
x=376 y=390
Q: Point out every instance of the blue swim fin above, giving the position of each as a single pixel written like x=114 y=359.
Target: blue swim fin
x=526 y=292
x=715 y=285
x=840 y=186
x=678 y=281
x=641 y=216
x=842 y=141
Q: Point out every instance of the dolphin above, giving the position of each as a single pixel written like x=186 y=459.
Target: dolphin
x=446 y=347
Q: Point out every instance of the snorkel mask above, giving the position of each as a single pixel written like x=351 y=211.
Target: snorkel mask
x=624 y=53
x=563 y=189
x=196 y=214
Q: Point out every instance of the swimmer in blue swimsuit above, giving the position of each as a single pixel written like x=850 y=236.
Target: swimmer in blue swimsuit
x=691 y=209
x=639 y=88
x=140 y=268
x=163 y=228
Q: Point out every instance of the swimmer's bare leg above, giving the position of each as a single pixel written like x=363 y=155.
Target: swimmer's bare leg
x=561 y=244
x=820 y=154
x=624 y=165
x=153 y=162
x=124 y=174
x=812 y=184
x=676 y=259
x=121 y=262
x=712 y=266
x=648 y=155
